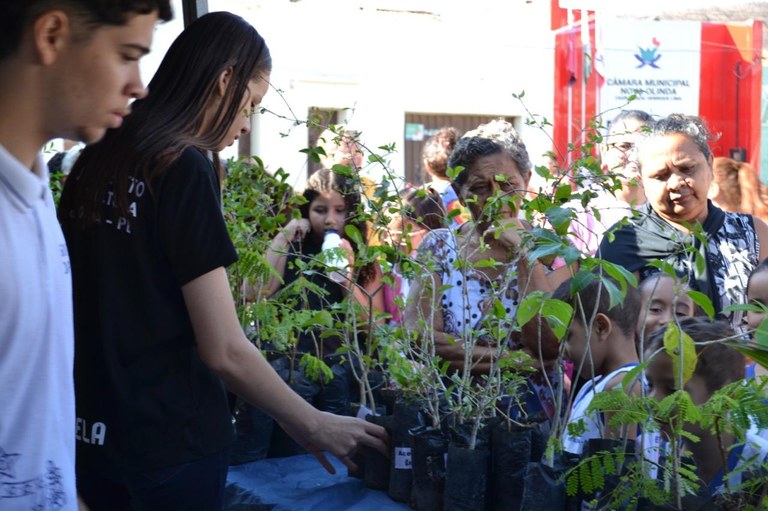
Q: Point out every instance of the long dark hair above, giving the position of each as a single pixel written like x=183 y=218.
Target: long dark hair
x=324 y=181
x=169 y=119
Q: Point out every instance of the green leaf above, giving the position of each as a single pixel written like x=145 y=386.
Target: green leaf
x=585 y=477
x=761 y=334
x=543 y=172
x=560 y=219
x=453 y=173
x=597 y=472
x=315 y=368
x=633 y=375
x=741 y=307
x=701 y=263
x=681 y=348
x=354 y=234
x=541 y=251
x=615 y=294
x=539 y=204
x=621 y=274
x=702 y=301
x=563 y=193
x=571 y=255
x=323 y=318
x=556 y=312
x=558 y=315
x=581 y=280
x=758 y=354
x=528 y=308
x=498 y=310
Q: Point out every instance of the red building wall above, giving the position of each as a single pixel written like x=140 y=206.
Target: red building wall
x=729 y=96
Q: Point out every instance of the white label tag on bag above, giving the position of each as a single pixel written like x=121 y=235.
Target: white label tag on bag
x=364 y=412
x=402 y=458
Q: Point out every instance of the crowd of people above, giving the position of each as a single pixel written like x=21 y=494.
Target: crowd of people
x=126 y=288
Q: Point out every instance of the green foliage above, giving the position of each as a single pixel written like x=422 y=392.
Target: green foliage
x=682 y=350
x=315 y=369
x=57 y=186
x=556 y=312
x=702 y=301
x=408 y=354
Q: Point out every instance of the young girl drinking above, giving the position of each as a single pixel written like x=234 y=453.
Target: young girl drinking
x=332 y=202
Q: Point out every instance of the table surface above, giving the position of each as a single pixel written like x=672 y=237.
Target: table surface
x=300 y=483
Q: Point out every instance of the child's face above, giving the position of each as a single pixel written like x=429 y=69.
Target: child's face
x=579 y=346
x=757 y=293
x=327 y=211
x=660 y=293
x=661 y=378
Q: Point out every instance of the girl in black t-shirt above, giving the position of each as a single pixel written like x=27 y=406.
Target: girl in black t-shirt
x=332 y=203
x=156 y=331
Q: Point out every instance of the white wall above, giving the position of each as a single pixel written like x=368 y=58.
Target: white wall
x=381 y=62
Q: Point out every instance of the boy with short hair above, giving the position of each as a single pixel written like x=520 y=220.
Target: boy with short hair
x=601 y=344
x=68 y=68
x=717 y=365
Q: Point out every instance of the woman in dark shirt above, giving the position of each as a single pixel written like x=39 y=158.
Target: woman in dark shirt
x=157 y=335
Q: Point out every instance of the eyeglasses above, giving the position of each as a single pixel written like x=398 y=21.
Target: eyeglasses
x=623 y=147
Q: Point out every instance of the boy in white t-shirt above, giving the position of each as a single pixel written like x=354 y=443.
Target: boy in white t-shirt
x=67 y=69
x=601 y=344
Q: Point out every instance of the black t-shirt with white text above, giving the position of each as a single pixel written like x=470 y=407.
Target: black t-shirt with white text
x=144 y=398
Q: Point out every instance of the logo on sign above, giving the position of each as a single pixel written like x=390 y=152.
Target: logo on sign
x=649 y=56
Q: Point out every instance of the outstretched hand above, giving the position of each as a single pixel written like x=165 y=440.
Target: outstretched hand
x=340 y=436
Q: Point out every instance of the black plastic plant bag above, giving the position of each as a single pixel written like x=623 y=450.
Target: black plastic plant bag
x=466 y=478
x=407 y=415
x=253 y=430
x=282 y=445
x=539 y=437
x=428 y=451
x=376 y=473
x=689 y=503
x=510 y=454
x=544 y=488
x=333 y=395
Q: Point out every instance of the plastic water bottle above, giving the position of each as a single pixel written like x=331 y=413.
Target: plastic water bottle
x=334 y=257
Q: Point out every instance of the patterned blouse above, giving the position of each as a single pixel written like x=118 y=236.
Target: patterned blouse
x=467 y=299
x=731 y=251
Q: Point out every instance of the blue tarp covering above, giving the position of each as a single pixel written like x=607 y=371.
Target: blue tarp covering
x=300 y=483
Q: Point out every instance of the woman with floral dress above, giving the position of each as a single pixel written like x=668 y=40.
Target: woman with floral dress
x=476 y=275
